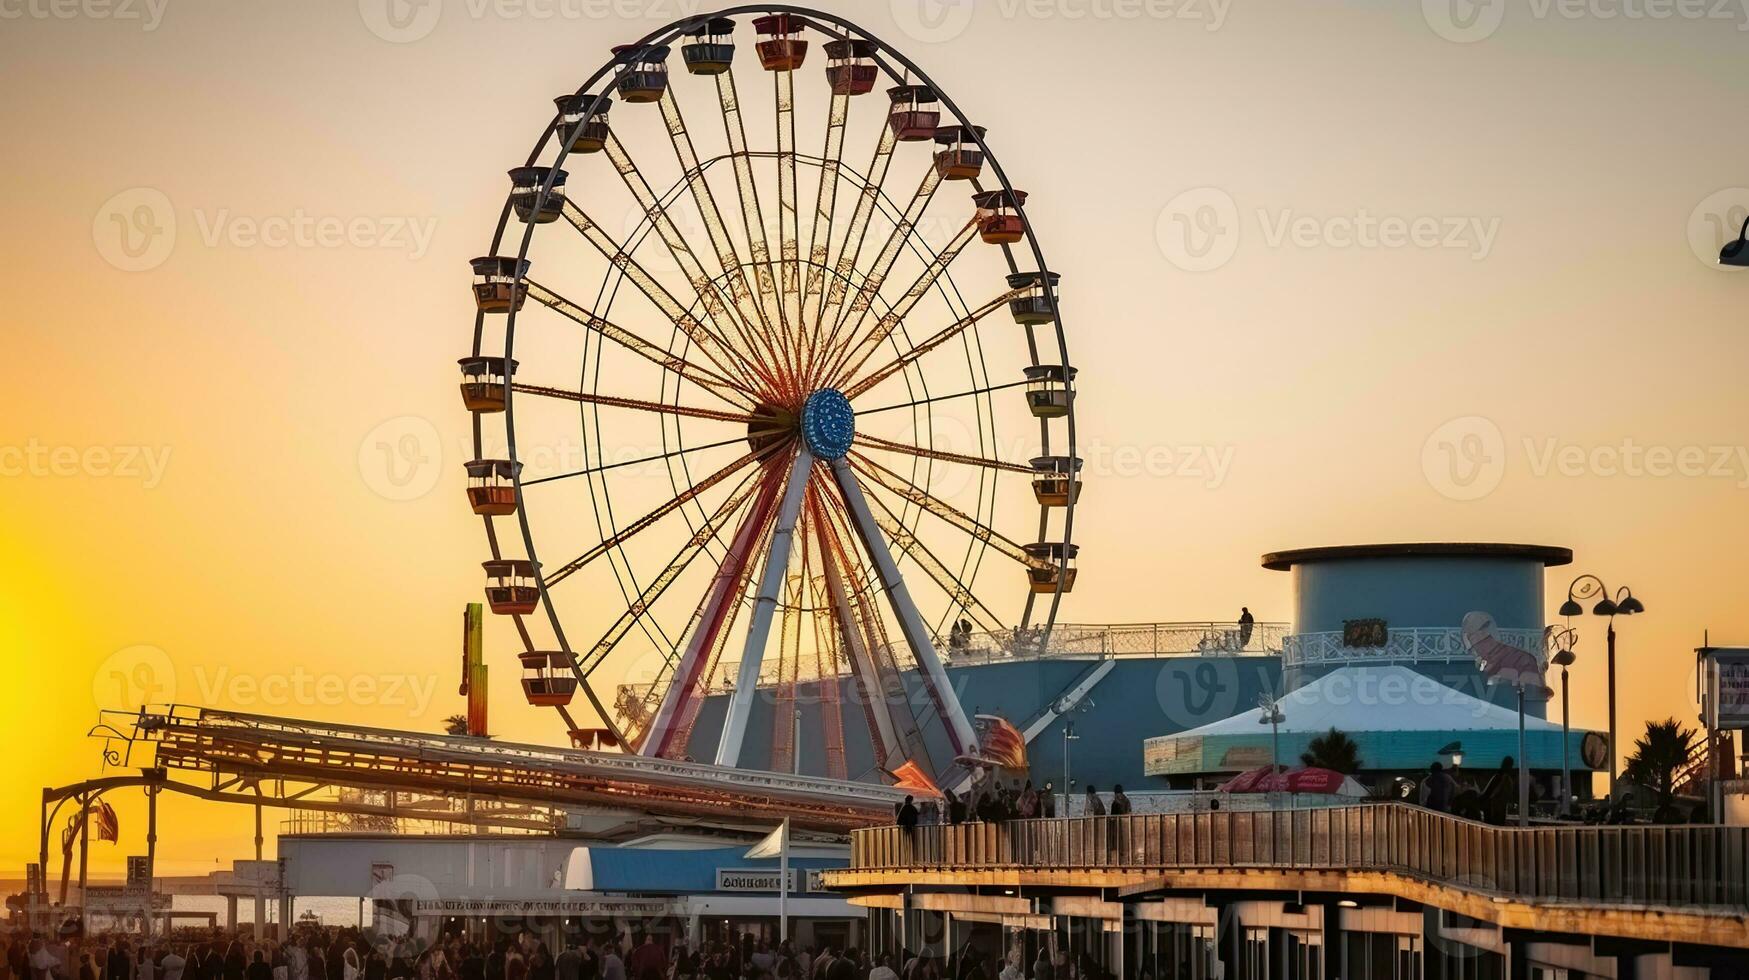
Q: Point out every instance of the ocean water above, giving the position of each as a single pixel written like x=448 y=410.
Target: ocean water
x=332 y=911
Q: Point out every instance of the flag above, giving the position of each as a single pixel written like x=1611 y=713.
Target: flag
x=772 y=846
x=1002 y=746
x=108 y=825
x=911 y=778
x=1500 y=662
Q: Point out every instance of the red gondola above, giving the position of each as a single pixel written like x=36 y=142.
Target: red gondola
x=510 y=586
x=497 y=283
x=1056 y=480
x=783 y=49
x=850 y=67
x=492 y=486
x=998 y=224
x=914 y=113
x=959 y=158
x=1056 y=571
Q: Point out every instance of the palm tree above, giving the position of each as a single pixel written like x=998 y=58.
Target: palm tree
x=1334 y=751
x=1658 y=756
x=455 y=725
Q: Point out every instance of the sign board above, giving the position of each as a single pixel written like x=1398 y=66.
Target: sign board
x=603 y=907
x=1366 y=633
x=751 y=879
x=1728 y=687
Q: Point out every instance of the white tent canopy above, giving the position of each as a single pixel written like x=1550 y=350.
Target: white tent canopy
x=1388 y=698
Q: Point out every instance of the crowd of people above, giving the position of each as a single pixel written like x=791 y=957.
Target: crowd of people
x=330 y=953
x=992 y=802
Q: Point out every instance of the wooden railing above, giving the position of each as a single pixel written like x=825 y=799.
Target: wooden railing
x=1660 y=866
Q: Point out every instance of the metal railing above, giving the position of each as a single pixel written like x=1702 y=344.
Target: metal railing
x=1656 y=866
x=1067 y=640
x=1413 y=644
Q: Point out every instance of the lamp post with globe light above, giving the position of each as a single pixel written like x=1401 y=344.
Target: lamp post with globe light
x=1609 y=605
x=1561 y=642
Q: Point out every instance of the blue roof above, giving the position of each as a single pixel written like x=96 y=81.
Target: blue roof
x=675 y=871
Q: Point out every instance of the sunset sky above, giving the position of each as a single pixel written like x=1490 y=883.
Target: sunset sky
x=1333 y=273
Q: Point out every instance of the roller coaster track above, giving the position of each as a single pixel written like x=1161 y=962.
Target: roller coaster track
x=236 y=749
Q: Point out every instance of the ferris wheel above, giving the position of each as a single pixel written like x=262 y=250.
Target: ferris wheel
x=790 y=417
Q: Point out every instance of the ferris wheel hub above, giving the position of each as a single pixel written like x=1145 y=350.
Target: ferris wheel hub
x=828 y=424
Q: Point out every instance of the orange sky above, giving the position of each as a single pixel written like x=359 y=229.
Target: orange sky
x=1413 y=230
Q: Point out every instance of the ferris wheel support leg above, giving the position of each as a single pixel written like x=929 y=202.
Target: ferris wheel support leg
x=953 y=715
x=660 y=736
x=759 y=628
x=869 y=677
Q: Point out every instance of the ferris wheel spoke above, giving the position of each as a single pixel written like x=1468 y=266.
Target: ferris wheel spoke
x=957 y=591
x=856 y=351
x=694 y=546
x=751 y=311
x=620 y=537
x=918 y=351
x=912 y=493
x=633 y=403
x=859 y=304
x=850 y=250
x=589 y=471
x=713 y=347
x=825 y=203
x=752 y=217
x=874 y=442
x=734 y=392
x=720 y=307
x=788 y=223
x=932 y=399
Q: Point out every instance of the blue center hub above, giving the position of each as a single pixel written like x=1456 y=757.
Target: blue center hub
x=828 y=424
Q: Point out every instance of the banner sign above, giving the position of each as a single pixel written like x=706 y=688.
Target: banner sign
x=603 y=907
x=1731 y=683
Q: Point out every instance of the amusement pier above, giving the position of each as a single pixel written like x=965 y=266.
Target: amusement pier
x=815 y=687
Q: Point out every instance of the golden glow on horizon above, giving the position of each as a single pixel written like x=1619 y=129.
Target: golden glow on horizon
x=251 y=539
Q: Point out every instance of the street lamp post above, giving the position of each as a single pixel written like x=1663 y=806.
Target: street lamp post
x=1273 y=717
x=1563 y=658
x=1062 y=707
x=1609 y=605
